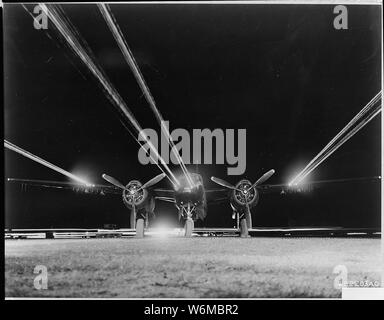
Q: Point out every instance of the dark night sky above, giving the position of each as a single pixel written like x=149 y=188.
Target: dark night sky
x=280 y=71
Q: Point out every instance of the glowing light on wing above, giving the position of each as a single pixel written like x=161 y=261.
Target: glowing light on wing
x=37 y=159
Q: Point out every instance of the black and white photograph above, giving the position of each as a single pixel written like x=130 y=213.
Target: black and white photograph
x=226 y=150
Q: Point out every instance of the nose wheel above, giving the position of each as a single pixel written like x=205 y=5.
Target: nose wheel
x=187 y=212
x=188 y=227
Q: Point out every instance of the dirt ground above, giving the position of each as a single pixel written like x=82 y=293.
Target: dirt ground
x=195 y=267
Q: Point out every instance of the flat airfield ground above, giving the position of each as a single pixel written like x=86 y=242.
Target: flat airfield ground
x=219 y=267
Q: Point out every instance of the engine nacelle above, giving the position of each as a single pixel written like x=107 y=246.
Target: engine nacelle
x=134 y=195
x=244 y=194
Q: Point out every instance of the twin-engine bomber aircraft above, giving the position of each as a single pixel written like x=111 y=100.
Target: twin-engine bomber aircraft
x=191 y=202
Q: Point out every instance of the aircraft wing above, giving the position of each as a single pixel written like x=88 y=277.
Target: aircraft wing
x=93 y=189
x=217 y=195
x=166 y=199
x=212 y=196
x=167 y=195
x=311 y=185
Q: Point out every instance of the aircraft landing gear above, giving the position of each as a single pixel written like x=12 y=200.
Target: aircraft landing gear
x=140 y=224
x=243 y=228
x=188 y=227
x=133 y=218
x=189 y=224
x=140 y=228
x=248 y=217
x=245 y=224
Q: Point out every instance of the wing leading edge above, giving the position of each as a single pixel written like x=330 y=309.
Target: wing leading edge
x=94 y=189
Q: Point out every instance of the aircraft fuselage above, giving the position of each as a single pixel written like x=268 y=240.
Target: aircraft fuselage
x=190 y=200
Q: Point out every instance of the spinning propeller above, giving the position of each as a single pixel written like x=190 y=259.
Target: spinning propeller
x=148 y=184
x=113 y=181
x=228 y=185
x=244 y=191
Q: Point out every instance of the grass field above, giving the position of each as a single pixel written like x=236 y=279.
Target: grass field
x=194 y=267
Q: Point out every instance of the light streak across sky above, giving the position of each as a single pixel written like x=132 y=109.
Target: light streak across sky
x=129 y=58
x=72 y=37
x=370 y=110
x=37 y=159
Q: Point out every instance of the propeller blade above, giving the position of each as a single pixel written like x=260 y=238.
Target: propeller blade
x=153 y=181
x=113 y=181
x=263 y=178
x=223 y=183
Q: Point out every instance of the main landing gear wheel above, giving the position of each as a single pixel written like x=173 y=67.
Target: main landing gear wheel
x=140 y=228
x=243 y=228
x=248 y=217
x=132 y=218
x=188 y=227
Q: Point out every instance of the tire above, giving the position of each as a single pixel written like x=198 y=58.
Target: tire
x=248 y=217
x=188 y=228
x=243 y=228
x=133 y=218
x=140 y=228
